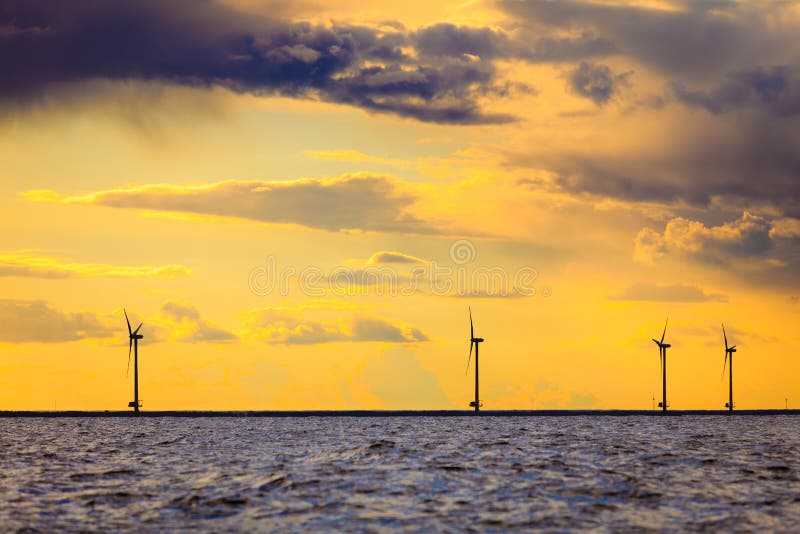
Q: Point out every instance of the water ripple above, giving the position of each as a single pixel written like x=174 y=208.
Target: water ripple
x=403 y=473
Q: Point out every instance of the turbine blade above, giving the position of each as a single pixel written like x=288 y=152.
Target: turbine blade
x=469 y=358
x=733 y=347
x=665 y=330
x=725 y=336
x=656 y=341
x=723 y=366
x=471 y=330
x=137 y=328
x=127 y=321
x=130 y=348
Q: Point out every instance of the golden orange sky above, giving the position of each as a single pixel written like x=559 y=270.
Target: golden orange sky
x=301 y=199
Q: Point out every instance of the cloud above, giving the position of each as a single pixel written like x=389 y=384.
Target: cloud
x=351 y=202
x=385 y=256
x=184 y=323
x=204 y=43
x=737 y=60
x=775 y=88
x=752 y=246
x=465 y=42
x=35 y=321
x=278 y=326
x=689 y=38
x=401 y=383
x=28 y=264
x=737 y=160
x=644 y=292
x=745 y=237
x=596 y=82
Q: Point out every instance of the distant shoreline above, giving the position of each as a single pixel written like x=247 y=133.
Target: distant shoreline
x=389 y=413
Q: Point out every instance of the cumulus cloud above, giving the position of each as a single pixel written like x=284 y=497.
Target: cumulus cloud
x=644 y=292
x=29 y=264
x=745 y=237
x=596 y=82
x=354 y=201
x=35 y=321
x=278 y=326
x=752 y=246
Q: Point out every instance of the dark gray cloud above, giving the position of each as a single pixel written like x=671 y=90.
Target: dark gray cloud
x=203 y=43
x=643 y=292
x=693 y=40
x=746 y=161
x=777 y=89
x=35 y=321
x=596 y=82
x=364 y=202
x=449 y=40
x=738 y=60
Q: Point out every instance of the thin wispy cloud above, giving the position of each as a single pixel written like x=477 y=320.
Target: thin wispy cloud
x=32 y=265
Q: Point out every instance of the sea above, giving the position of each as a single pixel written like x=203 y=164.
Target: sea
x=403 y=473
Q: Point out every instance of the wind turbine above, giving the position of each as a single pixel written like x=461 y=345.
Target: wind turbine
x=134 y=336
x=728 y=352
x=476 y=342
x=662 y=356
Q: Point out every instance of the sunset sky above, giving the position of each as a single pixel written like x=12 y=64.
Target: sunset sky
x=301 y=199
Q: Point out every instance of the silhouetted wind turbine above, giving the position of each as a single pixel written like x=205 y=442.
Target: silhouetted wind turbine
x=662 y=356
x=133 y=336
x=728 y=352
x=474 y=341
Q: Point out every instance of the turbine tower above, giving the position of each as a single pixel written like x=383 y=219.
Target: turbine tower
x=133 y=337
x=476 y=342
x=728 y=352
x=662 y=356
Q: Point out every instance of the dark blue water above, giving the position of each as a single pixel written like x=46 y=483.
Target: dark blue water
x=401 y=473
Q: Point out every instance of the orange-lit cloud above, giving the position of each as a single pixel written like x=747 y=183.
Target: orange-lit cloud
x=351 y=202
x=279 y=326
x=384 y=256
x=32 y=265
x=35 y=321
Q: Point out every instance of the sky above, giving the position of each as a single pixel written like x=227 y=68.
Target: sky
x=301 y=200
